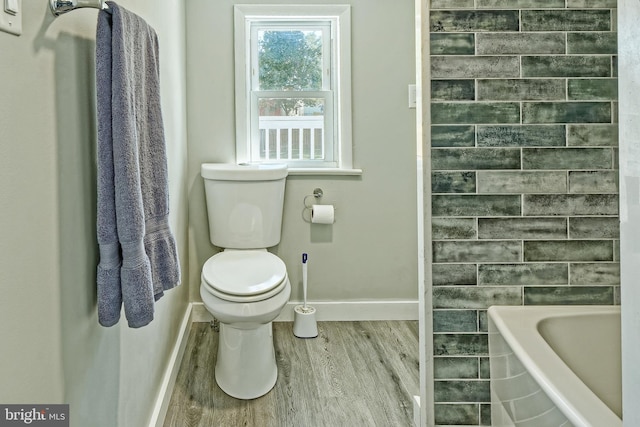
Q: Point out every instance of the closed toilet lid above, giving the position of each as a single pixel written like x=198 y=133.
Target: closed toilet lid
x=244 y=273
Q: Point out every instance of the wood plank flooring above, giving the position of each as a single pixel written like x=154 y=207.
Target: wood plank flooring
x=353 y=374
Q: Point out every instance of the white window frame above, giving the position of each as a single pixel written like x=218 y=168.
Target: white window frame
x=339 y=110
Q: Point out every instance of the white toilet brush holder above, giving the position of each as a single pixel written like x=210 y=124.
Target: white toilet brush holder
x=304 y=320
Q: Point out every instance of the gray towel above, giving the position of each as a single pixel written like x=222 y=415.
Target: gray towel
x=138 y=256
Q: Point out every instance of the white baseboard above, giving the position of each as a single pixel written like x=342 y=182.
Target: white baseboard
x=171 y=372
x=330 y=311
x=335 y=311
x=200 y=313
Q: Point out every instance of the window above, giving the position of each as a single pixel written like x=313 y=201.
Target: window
x=293 y=85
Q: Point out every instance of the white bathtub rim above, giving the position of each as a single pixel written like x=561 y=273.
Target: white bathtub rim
x=586 y=409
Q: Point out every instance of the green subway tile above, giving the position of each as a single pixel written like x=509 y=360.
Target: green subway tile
x=453 y=90
x=592 y=42
x=522 y=228
x=567 y=158
x=476 y=297
x=521 y=136
x=566 y=20
x=595 y=274
x=485 y=415
x=594 y=228
x=523 y=274
x=614 y=66
x=566 y=112
x=593 y=89
x=452 y=4
x=452 y=136
x=453 y=228
x=452 y=44
x=443 y=67
x=522 y=182
x=474 y=251
x=475 y=205
x=474 y=20
x=461 y=391
x=584 y=4
x=455 y=367
x=475 y=158
x=456 y=414
x=455 y=321
x=453 y=274
x=593 y=181
x=483 y=321
x=570 y=204
x=468 y=113
x=453 y=182
x=566 y=66
x=460 y=344
x=520 y=43
x=569 y=295
x=518 y=4
x=572 y=250
x=521 y=89
x=593 y=135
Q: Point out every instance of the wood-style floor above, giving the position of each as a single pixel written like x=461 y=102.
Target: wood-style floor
x=352 y=374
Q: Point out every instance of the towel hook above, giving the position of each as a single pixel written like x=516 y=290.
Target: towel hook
x=59 y=7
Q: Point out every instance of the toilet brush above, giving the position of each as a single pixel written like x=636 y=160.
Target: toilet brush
x=304 y=321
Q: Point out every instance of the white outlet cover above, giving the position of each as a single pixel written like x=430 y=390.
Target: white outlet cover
x=10 y=23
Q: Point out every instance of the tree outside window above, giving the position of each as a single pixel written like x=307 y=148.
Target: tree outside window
x=290 y=60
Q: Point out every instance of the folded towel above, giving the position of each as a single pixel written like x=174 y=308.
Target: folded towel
x=138 y=256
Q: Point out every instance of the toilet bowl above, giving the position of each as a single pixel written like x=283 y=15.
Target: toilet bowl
x=245 y=290
x=245 y=287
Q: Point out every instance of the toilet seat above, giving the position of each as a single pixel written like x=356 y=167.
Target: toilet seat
x=244 y=275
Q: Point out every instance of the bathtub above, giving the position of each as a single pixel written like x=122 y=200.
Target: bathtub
x=555 y=366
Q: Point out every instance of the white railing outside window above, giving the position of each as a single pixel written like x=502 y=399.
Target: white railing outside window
x=291 y=137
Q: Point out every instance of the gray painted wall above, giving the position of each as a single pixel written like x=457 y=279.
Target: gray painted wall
x=53 y=350
x=370 y=253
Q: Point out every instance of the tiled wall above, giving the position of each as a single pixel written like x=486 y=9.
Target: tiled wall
x=524 y=179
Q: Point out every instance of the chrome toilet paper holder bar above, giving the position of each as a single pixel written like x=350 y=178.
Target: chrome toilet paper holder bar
x=307 y=212
x=317 y=194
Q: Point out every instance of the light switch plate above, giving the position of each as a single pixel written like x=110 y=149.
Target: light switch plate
x=11 y=23
x=412 y=96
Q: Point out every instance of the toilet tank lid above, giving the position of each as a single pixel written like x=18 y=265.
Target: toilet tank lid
x=243 y=172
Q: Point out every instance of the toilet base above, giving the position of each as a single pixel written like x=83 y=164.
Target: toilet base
x=246 y=364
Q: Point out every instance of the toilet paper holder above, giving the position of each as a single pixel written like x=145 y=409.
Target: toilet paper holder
x=317 y=194
x=307 y=212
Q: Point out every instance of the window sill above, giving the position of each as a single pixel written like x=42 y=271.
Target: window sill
x=324 y=172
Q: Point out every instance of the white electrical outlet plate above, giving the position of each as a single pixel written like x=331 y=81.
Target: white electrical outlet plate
x=11 y=16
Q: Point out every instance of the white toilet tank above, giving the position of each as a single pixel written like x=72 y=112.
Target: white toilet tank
x=244 y=204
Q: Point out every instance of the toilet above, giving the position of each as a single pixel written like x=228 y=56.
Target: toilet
x=244 y=286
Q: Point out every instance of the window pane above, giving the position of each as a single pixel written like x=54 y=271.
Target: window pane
x=291 y=128
x=289 y=59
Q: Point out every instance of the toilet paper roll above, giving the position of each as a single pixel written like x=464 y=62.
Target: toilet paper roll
x=322 y=214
